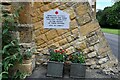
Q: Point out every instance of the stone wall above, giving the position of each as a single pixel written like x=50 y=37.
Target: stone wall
x=84 y=34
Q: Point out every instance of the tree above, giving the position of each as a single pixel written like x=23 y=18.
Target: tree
x=110 y=16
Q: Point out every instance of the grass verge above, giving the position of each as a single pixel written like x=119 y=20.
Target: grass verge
x=111 y=31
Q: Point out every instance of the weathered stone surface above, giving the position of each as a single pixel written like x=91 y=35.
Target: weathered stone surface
x=44 y=8
x=63 y=41
x=87 y=28
x=26 y=36
x=90 y=62
x=69 y=38
x=92 y=54
x=80 y=45
x=66 y=46
x=84 y=19
x=71 y=12
x=38 y=4
x=73 y=24
x=43 y=45
x=25 y=68
x=37 y=25
x=58 y=39
x=53 y=5
x=45 y=51
x=109 y=64
x=56 y=44
x=61 y=31
x=51 y=34
x=42 y=31
x=24 y=14
x=41 y=59
x=69 y=4
x=103 y=50
x=92 y=40
x=62 y=7
x=103 y=60
x=75 y=31
x=81 y=9
x=37 y=32
x=41 y=39
x=70 y=50
x=50 y=42
x=93 y=66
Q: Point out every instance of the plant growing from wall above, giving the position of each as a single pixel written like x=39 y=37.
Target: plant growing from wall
x=10 y=45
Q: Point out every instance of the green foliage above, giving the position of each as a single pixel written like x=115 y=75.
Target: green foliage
x=19 y=76
x=10 y=45
x=28 y=54
x=77 y=58
x=110 y=16
x=57 y=55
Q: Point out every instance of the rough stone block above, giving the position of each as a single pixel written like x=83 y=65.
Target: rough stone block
x=63 y=41
x=73 y=24
x=38 y=4
x=42 y=31
x=56 y=44
x=53 y=5
x=61 y=31
x=65 y=35
x=88 y=28
x=41 y=39
x=45 y=51
x=39 y=15
x=80 y=45
x=103 y=60
x=66 y=46
x=43 y=45
x=50 y=42
x=37 y=32
x=103 y=50
x=84 y=19
x=44 y=8
x=92 y=40
x=37 y=25
x=81 y=9
x=69 y=4
x=71 y=12
x=90 y=62
x=51 y=34
x=92 y=54
x=62 y=7
x=57 y=39
x=70 y=50
x=109 y=64
x=26 y=68
x=26 y=36
x=69 y=38
x=75 y=31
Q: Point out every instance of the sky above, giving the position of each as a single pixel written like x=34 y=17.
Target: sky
x=101 y=4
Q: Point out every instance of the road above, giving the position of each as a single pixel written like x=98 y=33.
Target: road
x=114 y=42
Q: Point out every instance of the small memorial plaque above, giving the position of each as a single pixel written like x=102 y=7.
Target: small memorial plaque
x=56 y=19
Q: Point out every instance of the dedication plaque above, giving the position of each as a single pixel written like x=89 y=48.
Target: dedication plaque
x=56 y=19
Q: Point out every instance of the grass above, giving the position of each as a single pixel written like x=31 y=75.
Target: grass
x=111 y=31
